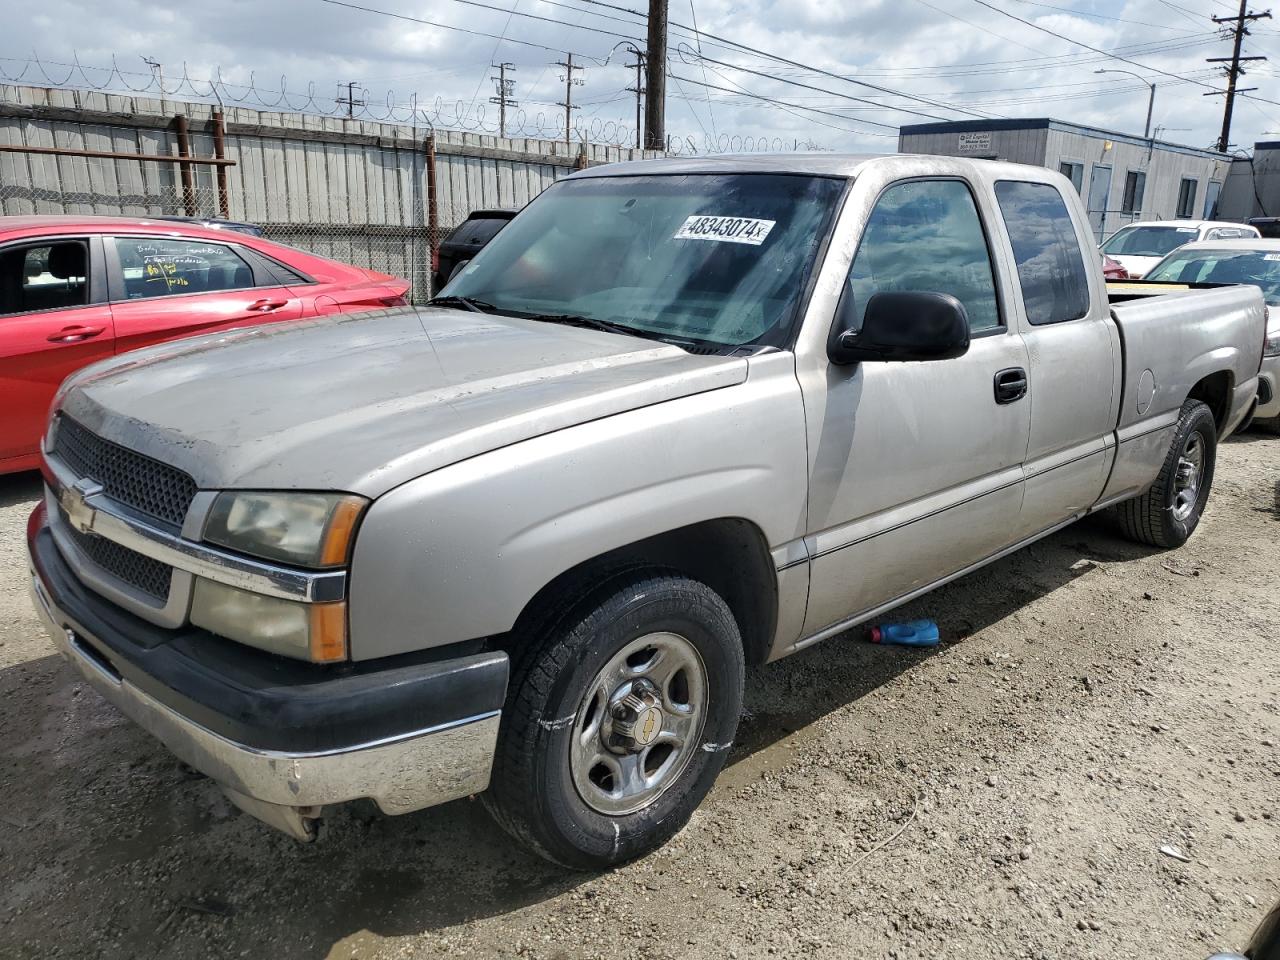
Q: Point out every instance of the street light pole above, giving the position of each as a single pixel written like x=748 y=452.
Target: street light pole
x=1151 y=100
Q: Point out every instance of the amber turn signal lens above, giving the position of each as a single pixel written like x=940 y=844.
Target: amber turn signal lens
x=328 y=633
x=340 y=530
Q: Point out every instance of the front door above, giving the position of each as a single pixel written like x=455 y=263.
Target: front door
x=54 y=319
x=163 y=288
x=916 y=468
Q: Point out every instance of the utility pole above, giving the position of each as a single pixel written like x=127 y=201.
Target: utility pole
x=350 y=99
x=655 y=134
x=570 y=81
x=638 y=90
x=1235 y=70
x=1151 y=100
x=504 y=89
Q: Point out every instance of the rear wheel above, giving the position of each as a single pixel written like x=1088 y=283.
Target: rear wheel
x=620 y=714
x=1169 y=512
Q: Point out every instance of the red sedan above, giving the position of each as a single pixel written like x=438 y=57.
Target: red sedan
x=78 y=289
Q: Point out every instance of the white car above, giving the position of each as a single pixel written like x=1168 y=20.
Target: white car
x=1255 y=261
x=1140 y=246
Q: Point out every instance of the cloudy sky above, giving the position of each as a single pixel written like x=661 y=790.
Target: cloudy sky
x=883 y=62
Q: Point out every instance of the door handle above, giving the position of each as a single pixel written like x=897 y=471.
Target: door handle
x=266 y=306
x=74 y=334
x=1011 y=385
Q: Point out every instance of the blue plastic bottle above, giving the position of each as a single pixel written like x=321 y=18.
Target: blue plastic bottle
x=917 y=633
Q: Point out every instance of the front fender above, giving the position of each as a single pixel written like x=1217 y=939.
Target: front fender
x=458 y=553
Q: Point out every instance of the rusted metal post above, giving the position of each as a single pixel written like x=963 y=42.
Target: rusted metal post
x=581 y=162
x=433 y=211
x=188 y=178
x=220 y=153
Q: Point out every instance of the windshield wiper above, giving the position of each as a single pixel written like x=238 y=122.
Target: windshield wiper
x=469 y=303
x=591 y=323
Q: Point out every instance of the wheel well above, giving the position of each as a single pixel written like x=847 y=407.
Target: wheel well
x=730 y=555
x=1215 y=392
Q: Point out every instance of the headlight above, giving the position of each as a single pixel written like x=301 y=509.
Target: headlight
x=307 y=631
x=1271 y=346
x=306 y=529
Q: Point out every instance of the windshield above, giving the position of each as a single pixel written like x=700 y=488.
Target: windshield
x=1147 y=241
x=1258 y=267
x=719 y=259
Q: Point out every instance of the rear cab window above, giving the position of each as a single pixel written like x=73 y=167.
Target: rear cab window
x=1046 y=250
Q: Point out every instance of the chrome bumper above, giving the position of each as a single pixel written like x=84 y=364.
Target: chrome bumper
x=287 y=790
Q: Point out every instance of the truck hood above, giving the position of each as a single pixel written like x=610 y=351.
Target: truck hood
x=365 y=402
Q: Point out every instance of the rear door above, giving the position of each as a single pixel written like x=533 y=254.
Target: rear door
x=164 y=288
x=1073 y=347
x=54 y=319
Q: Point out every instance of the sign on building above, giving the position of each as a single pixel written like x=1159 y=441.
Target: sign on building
x=975 y=142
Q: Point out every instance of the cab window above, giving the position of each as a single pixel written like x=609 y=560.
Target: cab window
x=926 y=236
x=153 y=267
x=1055 y=286
x=47 y=276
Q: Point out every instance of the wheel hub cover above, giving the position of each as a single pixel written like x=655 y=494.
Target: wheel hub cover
x=637 y=719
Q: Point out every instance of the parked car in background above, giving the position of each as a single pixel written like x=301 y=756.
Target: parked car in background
x=679 y=417
x=74 y=290
x=1267 y=226
x=1257 y=262
x=1112 y=269
x=252 y=229
x=1140 y=246
x=466 y=240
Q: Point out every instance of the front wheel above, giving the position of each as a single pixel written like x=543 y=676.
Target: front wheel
x=1169 y=512
x=620 y=713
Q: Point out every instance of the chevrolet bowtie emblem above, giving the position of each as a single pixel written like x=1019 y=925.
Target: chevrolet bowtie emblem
x=74 y=503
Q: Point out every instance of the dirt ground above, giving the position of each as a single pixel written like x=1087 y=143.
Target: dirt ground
x=1004 y=795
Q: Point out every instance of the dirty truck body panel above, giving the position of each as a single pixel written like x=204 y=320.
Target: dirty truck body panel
x=490 y=455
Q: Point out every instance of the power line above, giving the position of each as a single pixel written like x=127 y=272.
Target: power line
x=1235 y=70
x=791 y=107
x=475 y=33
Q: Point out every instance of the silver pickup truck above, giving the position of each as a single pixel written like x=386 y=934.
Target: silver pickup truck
x=677 y=418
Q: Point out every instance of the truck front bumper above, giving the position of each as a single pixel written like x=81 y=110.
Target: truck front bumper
x=281 y=740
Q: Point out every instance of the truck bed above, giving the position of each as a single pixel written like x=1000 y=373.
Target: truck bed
x=1173 y=336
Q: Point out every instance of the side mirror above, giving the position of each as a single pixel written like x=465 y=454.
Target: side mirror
x=900 y=326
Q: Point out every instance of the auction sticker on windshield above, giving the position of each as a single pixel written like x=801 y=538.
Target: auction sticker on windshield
x=725 y=229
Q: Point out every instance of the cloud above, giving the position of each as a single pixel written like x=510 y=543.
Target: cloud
x=953 y=52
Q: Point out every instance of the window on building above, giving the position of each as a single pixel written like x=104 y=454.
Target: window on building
x=1135 y=185
x=1187 y=198
x=1074 y=172
x=1211 y=194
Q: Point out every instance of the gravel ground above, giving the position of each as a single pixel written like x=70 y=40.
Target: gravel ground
x=1003 y=795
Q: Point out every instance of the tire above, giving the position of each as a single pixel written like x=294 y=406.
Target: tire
x=1269 y=425
x=547 y=790
x=1159 y=517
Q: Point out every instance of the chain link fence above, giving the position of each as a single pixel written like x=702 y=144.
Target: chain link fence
x=401 y=250
x=376 y=195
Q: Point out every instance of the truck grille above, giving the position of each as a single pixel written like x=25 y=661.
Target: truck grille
x=148 y=486
x=142 y=573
